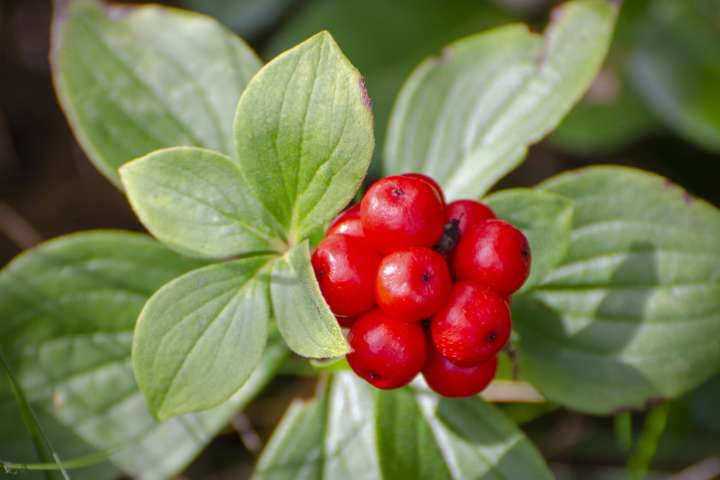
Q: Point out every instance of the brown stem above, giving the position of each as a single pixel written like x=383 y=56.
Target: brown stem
x=17 y=228
x=449 y=238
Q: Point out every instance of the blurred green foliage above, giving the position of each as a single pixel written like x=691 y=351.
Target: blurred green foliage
x=386 y=40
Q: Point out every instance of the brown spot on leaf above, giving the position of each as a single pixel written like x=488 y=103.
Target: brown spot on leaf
x=118 y=11
x=556 y=13
x=367 y=101
x=687 y=197
x=445 y=56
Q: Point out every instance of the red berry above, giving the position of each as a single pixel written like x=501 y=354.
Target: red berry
x=495 y=254
x=345 y=268
x=467 y=213
x=431 y=181
x=473 y=325
x=412 y=284
x=344 y=321
x=400 y=212
x=449 y=380
x=347 y=226
x=388 y=353
x=350 y=213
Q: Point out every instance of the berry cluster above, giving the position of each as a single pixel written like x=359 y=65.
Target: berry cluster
x=422 y=286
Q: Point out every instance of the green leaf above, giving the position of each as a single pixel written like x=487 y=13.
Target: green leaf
x=135 y=79
x=304 y=135
x=43 y=448
x=349 y=438
x=477 y=441
x=67 y=313
x=384 y=53
x=295 y=451
x=303 y=318
x=405 y=445
x=197 y=202
x=467 y=116
x=199 y=337
x=632 y=313
x=544 y=218
x=675 y=66
x=354 y=431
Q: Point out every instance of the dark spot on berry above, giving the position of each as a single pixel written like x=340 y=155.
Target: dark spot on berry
x=491 y=337
x=373 y=375
x=320 y=273
x=397 y=192
x=525 y=252
x=426 y=277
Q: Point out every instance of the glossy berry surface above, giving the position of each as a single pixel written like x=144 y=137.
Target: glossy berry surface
x=386 y=352
x=436 y=186
x=347 y=223
x=348 y=226
x=473 y=325
x=399 y=212
x=412 y=284
x=345 y=321
x=422 y=286
x=345 y=268
x=450 y=380
x=495 y=254
x=467 y=213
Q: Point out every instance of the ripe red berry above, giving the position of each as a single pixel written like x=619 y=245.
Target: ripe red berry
x=388 y=353
x=473 y=325
x=344 y=321
x=345 y=268
x=348 y=226
x=348 y=214
x=467 y=213
x=412 y=284
x=347 y=223
x=495 y=254
x=431 y=181
x=450 y=380
x=400 y=212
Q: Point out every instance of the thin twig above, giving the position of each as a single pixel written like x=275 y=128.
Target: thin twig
x=17 y=228
x=248 y=435
x=704 y=470
x=506 y=391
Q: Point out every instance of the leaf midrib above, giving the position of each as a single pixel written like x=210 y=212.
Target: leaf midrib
x=250 y=280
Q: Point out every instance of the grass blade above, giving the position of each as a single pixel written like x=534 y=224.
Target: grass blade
x=42 y=445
